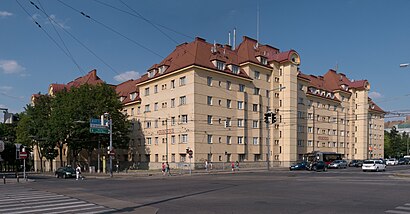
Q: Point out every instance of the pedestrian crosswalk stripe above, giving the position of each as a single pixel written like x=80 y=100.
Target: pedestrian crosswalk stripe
x=51 y=208
x=75 y=210
x=28 y=197
x=403 y=208
x=13 y=204
x=397 y=212
x=48 y=205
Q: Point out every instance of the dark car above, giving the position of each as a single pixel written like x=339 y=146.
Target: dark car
x=298 y=166
x=65 y=172
x=356 y=163
x=317 y=166
x=404 y=161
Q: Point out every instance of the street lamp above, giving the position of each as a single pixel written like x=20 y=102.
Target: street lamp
x=107 y=115
x=268 y=126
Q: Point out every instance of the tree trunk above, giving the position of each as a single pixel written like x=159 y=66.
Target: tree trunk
x=40 y=157
x=60 y=147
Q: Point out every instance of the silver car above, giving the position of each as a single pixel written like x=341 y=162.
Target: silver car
x=338 y=164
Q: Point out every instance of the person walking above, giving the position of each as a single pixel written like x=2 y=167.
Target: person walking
x=78 y=172
x=163 y=168
x=168 y=169
x=206 y=165
x=233 y=166
x=237 y=165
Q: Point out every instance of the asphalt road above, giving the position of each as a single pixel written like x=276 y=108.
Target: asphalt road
x=279 y=191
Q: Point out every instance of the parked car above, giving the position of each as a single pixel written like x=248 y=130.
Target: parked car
x=65 y=172
x=373 y=165
x=317 y=166
x=404 y=161
x=356 y=163
x=298 y=166
x=338 y=164
x=392 y=161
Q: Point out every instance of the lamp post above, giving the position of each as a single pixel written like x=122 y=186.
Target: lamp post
x=268 y=126
x=110 y=148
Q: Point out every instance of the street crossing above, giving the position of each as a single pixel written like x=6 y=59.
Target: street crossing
x=404 y=209
x=20 y=199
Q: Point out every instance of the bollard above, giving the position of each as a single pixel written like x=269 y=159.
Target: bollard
x=18 y=181
x=4 y=179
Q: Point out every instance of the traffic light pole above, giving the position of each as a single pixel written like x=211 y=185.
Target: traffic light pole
x=110 y=146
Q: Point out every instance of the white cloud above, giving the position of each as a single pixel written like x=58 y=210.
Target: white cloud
x=53 y=20
x=375 y=95
x=5 y=88
x=11 y=67
x=127 y=76
x=5 y=14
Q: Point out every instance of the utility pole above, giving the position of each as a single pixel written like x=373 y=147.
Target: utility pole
x=314 y=128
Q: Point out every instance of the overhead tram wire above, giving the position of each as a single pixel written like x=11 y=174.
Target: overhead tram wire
x=59 y=36
x=49 y=36
x=112 y=29
x=141 y=17
x=79 y=42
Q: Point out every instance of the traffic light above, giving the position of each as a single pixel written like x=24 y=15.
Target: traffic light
x=267 y=116
x=274 y=118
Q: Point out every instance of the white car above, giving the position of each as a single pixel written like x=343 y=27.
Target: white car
x=373 y=165
x=392 y=162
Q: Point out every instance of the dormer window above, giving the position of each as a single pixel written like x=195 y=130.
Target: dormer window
x=132 y=96
x=162 y=69
x=122 y=99
x=220 y=65
x=151 y=73
x=264 y=60
x=235 y=69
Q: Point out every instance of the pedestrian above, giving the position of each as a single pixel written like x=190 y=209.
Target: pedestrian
x=163 y=168
x=237 y=165
x=168 y=169
x=206 y=165
x=233 y=166
x=78 y=172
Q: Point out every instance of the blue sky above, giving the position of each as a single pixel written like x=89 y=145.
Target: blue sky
x=367 y=39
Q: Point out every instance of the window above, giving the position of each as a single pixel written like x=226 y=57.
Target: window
x=241 y=157
x=173 y=103
x=241 y=88
x=164 y=105
x=228 y=122
x=256 y=91
x=164 y=86
x=240 y=104
x=132 y=111
x=182 y=157
x=133 y=96
x=300 y=114
x=228 y=85
x=235 y=69
x=155 y=106
x=182 y=100
x=184 y=138
x=147 y=108
x=300 y=100
x=210 y=119
x=268 y=77
x=310 y=143
x=172 y=121
x=209 y=81
x=209 y=101
x=220 y=65
x=300 y=143
x=182 y=81
x=155 y=89
x=255 y=140
x=184 y=118
x=209 y=139
x=229 y=103
x=228 y=140
x=155 y=123
x=240 y=122
x=149 y=141
x=139 y=110
x=255 y=107
x=156 y=141
x=240 y=140
x=255 y=124
x=310 y=130
x=300 y=129
x=257 y=75
x=146 y=91
x=264 y=60
x=172 y=84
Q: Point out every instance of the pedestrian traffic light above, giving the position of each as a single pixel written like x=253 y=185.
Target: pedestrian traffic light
x=273 y=118
x=267 y=116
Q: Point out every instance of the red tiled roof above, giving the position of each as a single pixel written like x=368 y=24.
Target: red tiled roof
x=90 y=78
x=201 y=53
x=125 y=89
x=374 y=107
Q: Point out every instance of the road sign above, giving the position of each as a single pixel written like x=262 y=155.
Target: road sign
x=1 y=146
x=97 y=128
x=112 y=152
x=23 y=155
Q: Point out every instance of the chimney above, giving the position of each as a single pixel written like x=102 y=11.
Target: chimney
x=234 y=39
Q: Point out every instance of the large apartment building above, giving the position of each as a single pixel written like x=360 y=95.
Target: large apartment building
x=212 y=98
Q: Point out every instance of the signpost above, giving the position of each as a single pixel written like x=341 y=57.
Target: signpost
x=23 y=155
x=97 y=128
x=190 y=153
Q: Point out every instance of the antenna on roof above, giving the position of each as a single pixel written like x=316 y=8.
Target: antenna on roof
x=213 y=48
x=257 y=24
x=337 y=66
x=234 y=39
x=229 y=38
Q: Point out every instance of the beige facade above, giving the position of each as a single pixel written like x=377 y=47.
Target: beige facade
x=220 y=116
